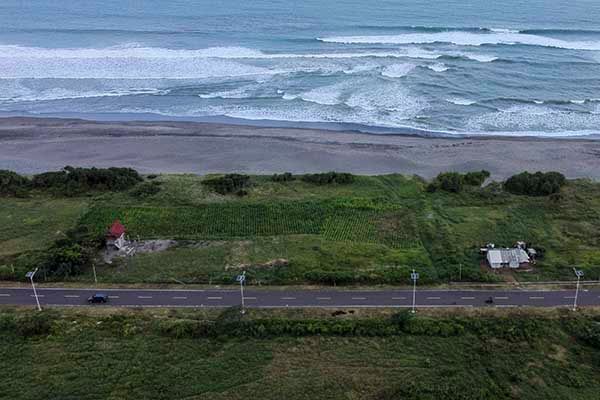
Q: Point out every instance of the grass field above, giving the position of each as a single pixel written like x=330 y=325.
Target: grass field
x=373 y=230
x=82 y=356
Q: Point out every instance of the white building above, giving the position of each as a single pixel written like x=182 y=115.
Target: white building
x=511 y=258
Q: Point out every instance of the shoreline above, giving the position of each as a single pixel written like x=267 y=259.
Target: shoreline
x=33 y=145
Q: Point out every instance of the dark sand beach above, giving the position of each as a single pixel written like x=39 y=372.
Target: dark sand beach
x=31 y=145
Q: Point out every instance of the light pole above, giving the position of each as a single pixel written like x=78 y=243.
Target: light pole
x=241 y=279
x=578 y=274
x=30 y=275
x=414 y=276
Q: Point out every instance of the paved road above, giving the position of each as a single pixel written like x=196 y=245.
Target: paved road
x=296 y=298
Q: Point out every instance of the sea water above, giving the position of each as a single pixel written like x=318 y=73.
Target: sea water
x=509 y=67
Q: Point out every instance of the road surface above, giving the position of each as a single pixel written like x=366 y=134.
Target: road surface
x=264 y=298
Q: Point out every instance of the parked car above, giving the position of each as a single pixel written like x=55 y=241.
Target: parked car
x=98 y=298
x=489 y=300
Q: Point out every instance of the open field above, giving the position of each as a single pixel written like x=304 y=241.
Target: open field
x=164 y=354
x=372 y=231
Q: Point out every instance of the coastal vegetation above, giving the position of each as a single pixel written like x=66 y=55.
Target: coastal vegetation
x=298 y=354
x=361 y=230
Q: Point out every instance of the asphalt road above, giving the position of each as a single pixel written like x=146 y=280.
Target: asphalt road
x=264 y=298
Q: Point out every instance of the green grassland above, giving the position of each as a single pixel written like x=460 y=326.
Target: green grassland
x=167 y=355
x=373 y=230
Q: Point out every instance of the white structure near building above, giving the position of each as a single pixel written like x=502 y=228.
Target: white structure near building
x=511 y=258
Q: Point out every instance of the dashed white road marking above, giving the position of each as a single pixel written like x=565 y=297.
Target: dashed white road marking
x=249 y=298
x=144 y=297
x=39 y=295
x=569 y=297
x=433 y=298
x=501 y=297
x=288 y=298
x=398 y=298
x=4 y=295
x=113 y=297
x=214 y=298
x=468 y=298
x=536 y=297
x=359 y=298
x=179 y=298
x=72 y=296
x=323 y=298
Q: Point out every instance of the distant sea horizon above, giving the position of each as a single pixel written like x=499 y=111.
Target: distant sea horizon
x=417 y=67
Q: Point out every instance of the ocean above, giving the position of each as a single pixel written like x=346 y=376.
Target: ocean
x=508 y=67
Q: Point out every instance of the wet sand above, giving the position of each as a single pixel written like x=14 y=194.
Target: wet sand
x=32 y=145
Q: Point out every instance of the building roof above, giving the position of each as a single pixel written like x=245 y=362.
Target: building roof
x=505 y=256
x=116 y=229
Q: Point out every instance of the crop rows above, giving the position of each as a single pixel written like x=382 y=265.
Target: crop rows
x=243 y=220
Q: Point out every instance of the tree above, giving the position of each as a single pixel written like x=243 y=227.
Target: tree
x=537 y=184
x=12 y=184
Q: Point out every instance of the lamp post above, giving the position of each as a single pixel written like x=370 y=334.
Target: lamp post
x=241 y=279
x=578 y=274
x=414 y=276
x=30 y=275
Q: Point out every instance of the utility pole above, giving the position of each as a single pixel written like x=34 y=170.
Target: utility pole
x=94 y=269
x=460 y=272
x=414 y=276
x=30 y=275
x=578 y=274
x=241 y=279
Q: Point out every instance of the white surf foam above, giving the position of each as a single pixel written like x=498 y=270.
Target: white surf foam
x=461 y=102
x=397 y=70
x=439 y=67
x=466 y=39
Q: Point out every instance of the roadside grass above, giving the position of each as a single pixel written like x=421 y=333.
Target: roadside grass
x=33 y=223
x=124 y=355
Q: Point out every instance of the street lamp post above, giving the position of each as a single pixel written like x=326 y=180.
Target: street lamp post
x=578 y=274
x=414 y=276
x=241 y=279
x=30 y=275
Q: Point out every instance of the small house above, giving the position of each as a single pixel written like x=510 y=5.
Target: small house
x=511 y=258
x=115 y=236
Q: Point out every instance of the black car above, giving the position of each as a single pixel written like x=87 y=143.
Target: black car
x=98 y=298
x=489 y=300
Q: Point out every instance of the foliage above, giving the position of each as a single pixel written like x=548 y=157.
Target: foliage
x=72 y=181
x=146 y=189
x=454 y=182
x=537 y=184
x=228 y=184
x=328 y=178
x=12 y=184
x=285 y=177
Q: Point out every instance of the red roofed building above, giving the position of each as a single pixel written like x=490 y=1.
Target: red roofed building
x=115 y=236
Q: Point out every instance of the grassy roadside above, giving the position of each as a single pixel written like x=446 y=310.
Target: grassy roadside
x=96 y=354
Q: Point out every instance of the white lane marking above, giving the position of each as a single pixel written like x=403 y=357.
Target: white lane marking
x=288 y=298
x=505 y=305
x=72 y=296
x=113 y=297
x=501 y=297
x=536 y=297
x=249 y=298
x=398 y=298
x=433 y=298
x=39 y=295
x=4 y=295
x=569 y=297
x=214 y=298
x=323 y=298
x=468 y=298
x=359 y=298
x=180 y=298
x=144 y=297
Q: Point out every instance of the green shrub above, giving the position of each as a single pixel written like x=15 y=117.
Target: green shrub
x=6 y=273
x=476 y=178
x=537 y=184
x=12 y=184
x=285 y=177
x=228 y=184
x=329 y=178
x=72 y=181
x=146 y=189
x=39 y=323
